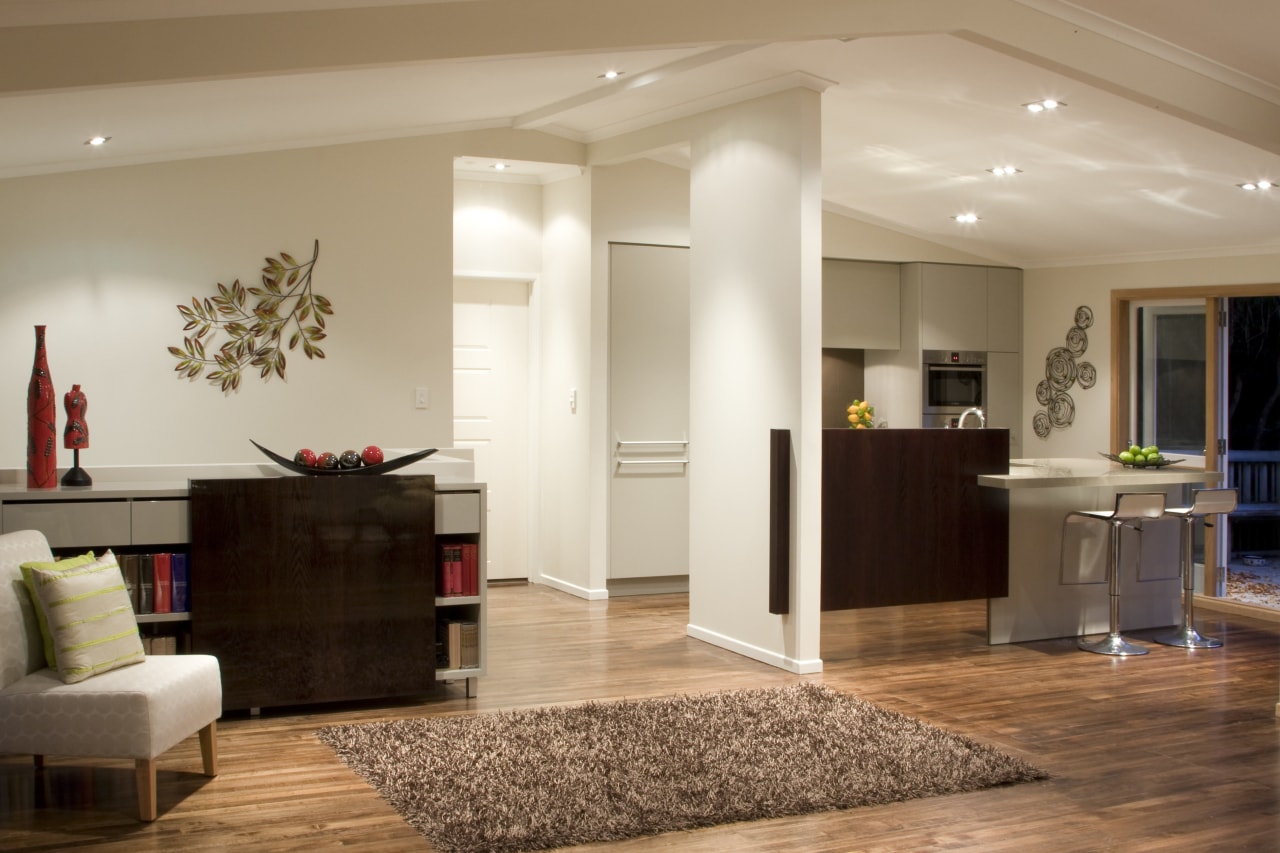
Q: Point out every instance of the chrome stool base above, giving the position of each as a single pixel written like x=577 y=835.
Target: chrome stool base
x=1112 y=644
x=1188 y=638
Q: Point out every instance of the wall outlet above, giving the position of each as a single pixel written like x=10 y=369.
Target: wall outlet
x=421 y=398
x=573 y=400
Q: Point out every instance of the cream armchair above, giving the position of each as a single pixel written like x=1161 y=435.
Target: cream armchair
x=135 y=712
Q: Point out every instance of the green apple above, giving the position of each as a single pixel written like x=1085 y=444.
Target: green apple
x=1150 y=450
x=1139 y=459
x=1133 y=448
x=1126 y=457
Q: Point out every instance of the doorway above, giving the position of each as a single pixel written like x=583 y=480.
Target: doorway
x=491 y=384
x=1236 y=401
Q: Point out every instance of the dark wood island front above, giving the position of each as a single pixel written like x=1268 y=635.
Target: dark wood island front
x=904 y=520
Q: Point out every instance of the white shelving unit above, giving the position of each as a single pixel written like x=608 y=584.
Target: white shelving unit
x=460 y=517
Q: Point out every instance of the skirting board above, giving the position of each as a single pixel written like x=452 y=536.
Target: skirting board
x=574 y=589
x=800 y=667
x=648 y=586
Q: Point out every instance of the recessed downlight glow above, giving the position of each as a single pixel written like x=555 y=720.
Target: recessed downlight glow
x=1256 y=185
x=966 y=217
x=97 y=141
x=611 y=74
x=500 y=167
x=1044 y=104
x=1004 y=170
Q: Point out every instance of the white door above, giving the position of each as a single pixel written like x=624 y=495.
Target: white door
x=491 y=409
x=649 y=411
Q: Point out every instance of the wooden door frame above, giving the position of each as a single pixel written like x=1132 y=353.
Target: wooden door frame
x=1121 y=307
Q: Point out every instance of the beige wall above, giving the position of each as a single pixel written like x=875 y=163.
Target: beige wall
x=103 y=257
x=1049 y=302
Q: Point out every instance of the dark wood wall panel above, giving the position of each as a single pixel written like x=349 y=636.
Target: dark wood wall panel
x=315 y=589
x=904 y=520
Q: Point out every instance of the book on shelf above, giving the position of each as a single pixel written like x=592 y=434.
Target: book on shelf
x=129 y=568
x=146 y=583
x=449 y=574
x=470 y=568
x=181 y=583
x=159 y=644
x=162 y=571
x=461 y=644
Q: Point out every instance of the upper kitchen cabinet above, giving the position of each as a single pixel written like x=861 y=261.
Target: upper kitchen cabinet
x=861 y=305
x=969 y=307
x=1004 y=309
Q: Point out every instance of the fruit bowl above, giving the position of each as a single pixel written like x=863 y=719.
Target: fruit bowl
x=1162 y=463
x=380 y=468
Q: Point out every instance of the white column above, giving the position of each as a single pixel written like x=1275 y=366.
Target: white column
x=755 y=364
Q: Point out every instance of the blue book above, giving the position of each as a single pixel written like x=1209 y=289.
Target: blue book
x=181 y=596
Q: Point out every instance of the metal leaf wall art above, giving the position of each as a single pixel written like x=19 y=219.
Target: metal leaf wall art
x=1061 y=371
x=284 y=301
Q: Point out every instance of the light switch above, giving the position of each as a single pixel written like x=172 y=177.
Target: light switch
x=422 y=398
x=573 y=400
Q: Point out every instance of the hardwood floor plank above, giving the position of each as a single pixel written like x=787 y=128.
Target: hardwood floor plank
x=1171 y=751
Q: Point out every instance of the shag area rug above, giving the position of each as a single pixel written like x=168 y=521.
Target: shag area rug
x=554 y=777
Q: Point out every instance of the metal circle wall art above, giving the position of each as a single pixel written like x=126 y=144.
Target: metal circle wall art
x=1062 y=369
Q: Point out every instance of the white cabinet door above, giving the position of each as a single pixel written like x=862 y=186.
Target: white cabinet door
x=861 y=305
x=1004 y=397
x=649 y=409
x=954 y=307
x=1004 y=309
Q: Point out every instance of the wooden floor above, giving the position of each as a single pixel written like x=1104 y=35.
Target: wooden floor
x=1177 y=750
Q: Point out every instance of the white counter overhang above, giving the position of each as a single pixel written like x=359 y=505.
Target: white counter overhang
x=1067 y=472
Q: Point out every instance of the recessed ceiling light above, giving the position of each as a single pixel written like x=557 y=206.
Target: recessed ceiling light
x=500 y=167
x=1256 y=185
x=1004 y=170
x=611 y=75
x=1044 y=104
x=966 y=217
x=97 y=141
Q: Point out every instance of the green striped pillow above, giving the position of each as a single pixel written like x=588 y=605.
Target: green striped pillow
x=50 y=659
x=90 y=618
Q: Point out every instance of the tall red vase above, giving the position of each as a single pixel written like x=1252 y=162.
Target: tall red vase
x=42 y=423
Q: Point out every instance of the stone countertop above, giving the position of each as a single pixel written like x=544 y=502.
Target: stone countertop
x=1058 y=472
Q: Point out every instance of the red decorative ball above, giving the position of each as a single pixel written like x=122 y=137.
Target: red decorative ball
x=305 y=456
x=327 y=460
x=372 y=455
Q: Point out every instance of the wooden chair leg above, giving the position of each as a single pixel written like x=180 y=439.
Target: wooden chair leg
x=209 y=748
x=145 y=772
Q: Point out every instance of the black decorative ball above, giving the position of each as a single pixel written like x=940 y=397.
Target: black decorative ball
x=349 y=459
x=327 y=460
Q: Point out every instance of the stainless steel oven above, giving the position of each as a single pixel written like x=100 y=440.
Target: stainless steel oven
x=953 y=381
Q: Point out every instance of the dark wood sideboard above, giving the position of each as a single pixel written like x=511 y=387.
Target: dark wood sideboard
x=904 y=520
x=315 y=589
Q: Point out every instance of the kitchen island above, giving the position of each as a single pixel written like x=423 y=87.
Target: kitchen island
x=1057 y=584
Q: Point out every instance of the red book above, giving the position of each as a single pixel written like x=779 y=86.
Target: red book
x=163 y=602
x=470 y=569
x=458 y=588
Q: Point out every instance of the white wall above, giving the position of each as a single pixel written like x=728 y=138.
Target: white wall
x=755 y=365
x=103 y=257
x=1049 y=302
x=564 y=307
x=497 y=228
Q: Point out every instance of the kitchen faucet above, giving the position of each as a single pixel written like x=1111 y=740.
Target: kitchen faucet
x=972 y=410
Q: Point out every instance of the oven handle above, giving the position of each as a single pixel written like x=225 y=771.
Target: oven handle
x=956 y=368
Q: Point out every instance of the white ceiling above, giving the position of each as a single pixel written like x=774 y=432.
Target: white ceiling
x=1133 y=167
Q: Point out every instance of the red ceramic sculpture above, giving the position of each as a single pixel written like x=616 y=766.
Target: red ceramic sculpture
x=42 y=423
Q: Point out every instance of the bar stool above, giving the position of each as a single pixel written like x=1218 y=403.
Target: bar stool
x=1204 y=502
x=1132 y=508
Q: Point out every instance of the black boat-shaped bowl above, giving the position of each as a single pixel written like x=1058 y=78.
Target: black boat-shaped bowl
x=380 y=468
